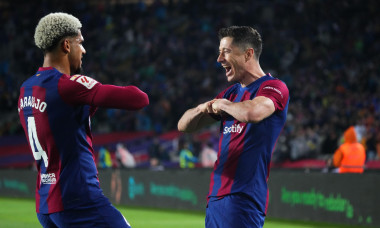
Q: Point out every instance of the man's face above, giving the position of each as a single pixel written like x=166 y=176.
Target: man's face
x=76 y=53
x=232 y=59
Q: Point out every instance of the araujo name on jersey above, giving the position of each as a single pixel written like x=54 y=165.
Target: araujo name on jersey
x=32 y=102
x=235 y=128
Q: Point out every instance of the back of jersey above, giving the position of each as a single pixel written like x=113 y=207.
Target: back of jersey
x=60 y=140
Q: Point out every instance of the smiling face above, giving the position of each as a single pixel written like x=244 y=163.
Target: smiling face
x=232 y=59
x=76 y=53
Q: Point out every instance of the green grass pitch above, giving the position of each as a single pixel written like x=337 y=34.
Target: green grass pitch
x=16 y=213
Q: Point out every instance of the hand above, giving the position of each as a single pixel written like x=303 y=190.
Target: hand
x=217 y=105
x=206 y=107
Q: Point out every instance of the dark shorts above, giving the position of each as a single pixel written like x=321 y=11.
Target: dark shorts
x=104 y=216
x=233 y=211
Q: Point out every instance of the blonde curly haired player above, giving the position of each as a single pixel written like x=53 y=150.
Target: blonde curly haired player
x=54 y=27
x=55 y=109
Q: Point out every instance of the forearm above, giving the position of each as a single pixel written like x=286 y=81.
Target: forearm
x=120 y=97
x=194 y=119
x=238 y=111
x=247 y=111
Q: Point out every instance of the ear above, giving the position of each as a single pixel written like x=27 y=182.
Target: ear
x=249 y=54
x=65 y=46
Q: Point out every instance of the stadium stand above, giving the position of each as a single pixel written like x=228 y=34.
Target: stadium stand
x=327 y=53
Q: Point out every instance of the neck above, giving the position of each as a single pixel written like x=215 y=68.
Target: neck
x=57 y=61
x=252 y=74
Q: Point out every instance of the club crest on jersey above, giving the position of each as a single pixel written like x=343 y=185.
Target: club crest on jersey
x=84 y=80
x=235 y=128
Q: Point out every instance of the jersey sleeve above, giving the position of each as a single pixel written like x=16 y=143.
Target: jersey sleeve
x=83 y=90
x=275 y=90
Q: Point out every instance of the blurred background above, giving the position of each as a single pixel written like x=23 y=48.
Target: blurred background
x=327 y=52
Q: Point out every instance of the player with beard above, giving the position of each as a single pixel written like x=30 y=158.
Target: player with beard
x=55 y=107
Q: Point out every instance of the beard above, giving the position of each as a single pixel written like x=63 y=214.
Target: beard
x=77 y=71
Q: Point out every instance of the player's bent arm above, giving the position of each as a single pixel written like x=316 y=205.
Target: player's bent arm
x=196 y=118
x=249 y=111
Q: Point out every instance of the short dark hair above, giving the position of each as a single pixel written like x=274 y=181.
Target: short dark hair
x=243 y=37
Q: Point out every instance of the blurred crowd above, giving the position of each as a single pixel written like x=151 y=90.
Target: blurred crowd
x=327 y=52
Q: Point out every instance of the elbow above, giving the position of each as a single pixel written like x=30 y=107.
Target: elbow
x=255 y=120
x=181 y=127
x=251 y=117
x=143 y=99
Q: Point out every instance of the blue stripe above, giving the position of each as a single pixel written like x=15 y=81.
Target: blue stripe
x=28 y=111
x=222 y=160
x=239 y=92
x=225 y=141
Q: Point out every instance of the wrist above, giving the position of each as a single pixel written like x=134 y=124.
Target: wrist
x=200 y=108
x=224 y=105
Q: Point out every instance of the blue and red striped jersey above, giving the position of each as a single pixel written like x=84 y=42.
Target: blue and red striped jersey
x=245 y=149
x=60 y=140
x=55 y=111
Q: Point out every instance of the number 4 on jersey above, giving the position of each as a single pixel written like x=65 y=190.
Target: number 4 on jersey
x=35 y=143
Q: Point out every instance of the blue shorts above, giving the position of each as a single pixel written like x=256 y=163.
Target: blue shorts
x=104 y=216
x=235 y=210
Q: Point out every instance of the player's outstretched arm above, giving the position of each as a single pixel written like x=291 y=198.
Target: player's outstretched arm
x=121 y=97
x=196 y=118
x=83 y=90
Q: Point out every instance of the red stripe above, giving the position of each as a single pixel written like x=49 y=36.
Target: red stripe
x=236 y=147
x=47 y=141
x=23 y=123
x=90 y=148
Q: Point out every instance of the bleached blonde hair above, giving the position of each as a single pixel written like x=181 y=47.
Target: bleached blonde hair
x=53 y=27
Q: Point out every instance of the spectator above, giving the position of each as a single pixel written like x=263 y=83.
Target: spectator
x=124 y=156
x=370 y=146
x=186 y=157
x=105 y=160
x=157 y=154
x=350 y=156
x=329 y=143
x=208 y=156
x=334 y=80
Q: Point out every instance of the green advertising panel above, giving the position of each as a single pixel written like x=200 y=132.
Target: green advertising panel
x=178 y=189
x=18 y=183
x=334 y=198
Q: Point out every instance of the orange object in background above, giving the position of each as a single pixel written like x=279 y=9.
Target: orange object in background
x=350 y=156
